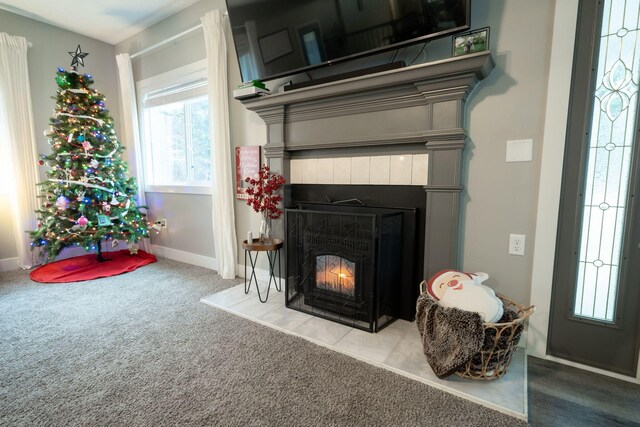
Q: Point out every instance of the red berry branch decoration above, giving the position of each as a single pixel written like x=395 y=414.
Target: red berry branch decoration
x=262 y=197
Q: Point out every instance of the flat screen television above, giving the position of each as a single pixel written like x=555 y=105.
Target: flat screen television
x=277 y=38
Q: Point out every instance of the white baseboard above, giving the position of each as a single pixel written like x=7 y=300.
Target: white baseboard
x=8 y=264
x=187 y=257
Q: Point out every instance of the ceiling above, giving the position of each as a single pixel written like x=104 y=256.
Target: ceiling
x=108 y=20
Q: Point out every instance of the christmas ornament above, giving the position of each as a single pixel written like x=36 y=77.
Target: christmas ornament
x=103 y=220
x=82 y=221
x=94 y=163
x=78 y=57
x=86 y=145
x=62 y=81
x=62 y=203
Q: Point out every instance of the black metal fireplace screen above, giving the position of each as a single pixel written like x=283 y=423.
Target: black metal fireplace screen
x=343 y=263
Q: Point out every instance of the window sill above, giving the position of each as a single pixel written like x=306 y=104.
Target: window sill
x=178 y=189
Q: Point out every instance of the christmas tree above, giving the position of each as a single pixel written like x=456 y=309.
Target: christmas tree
x=88 y=197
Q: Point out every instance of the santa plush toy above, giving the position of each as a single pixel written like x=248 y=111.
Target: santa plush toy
x=465 y=291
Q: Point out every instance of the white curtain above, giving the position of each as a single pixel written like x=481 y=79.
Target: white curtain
x=18 y=141
x=130 y=134
x=224 y=228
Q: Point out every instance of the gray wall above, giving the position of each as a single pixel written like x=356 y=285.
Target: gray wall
x=501 y=198
x=189 y=222
x=50 y=51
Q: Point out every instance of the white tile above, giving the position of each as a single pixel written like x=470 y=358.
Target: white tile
x=360 y=170
x=400 y=173
x=342 y=170
x=408 y=356
x=228 y=297
x=253 y=307
x=285 y=318
x=325 y=171
x=506 y=392
x=309 y=171
x=379 y=170
x=296 y=171
x=322 y=330
x=419 y=169
x=375 y=347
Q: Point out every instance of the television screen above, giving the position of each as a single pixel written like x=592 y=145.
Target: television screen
x=276 y=38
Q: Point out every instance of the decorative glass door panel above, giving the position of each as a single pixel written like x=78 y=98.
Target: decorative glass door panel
x=609 y=163
x=595 y=311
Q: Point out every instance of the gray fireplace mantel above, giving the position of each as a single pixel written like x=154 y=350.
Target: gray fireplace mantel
x=417 y=109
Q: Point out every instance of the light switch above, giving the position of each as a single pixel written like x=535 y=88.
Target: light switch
x=520 y=150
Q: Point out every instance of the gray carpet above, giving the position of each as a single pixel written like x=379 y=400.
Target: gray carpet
x=140 y=349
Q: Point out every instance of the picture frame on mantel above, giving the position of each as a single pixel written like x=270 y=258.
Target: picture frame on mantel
x=247 y=165
x=470 y=42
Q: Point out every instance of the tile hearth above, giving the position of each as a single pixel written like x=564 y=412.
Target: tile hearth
x=396 y=348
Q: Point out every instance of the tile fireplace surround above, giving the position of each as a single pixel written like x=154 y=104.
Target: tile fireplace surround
x=383 y=119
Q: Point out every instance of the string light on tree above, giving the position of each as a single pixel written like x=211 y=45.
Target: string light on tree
x=87 y=194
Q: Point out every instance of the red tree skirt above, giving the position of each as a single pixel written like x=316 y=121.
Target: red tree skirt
x=87 y=267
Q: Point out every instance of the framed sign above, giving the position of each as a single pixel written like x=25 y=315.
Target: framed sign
x=247 y=165
x=471 y=42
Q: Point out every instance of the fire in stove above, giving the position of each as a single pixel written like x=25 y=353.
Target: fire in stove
x=335 y=274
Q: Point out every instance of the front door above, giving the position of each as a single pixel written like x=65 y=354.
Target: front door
x=596 y=291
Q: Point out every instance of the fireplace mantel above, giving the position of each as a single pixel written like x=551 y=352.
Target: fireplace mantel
x=414 y=110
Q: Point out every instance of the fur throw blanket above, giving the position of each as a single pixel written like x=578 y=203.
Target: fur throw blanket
x=450 y=337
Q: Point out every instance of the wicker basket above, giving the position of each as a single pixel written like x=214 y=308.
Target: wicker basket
x=501 y=341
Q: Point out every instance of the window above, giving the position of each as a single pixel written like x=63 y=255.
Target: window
x=174 y=111
x=609 y=160
x=310 y=41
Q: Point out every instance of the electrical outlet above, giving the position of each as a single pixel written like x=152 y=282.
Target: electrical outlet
x=516 y=244
x=159 y=224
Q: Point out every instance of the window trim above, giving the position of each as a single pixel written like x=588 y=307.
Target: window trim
x=176 y=77
x=178 y=189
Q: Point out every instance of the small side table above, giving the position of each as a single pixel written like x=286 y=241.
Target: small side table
x=272 y=248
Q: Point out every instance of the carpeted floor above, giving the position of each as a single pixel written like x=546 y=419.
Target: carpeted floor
x=140 y=349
